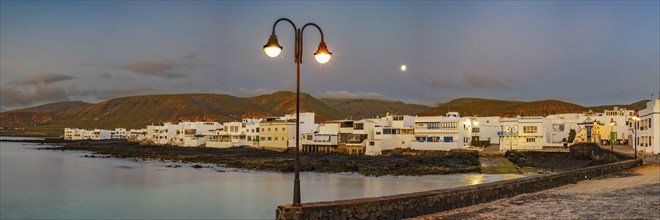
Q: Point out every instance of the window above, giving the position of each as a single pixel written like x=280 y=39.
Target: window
x=276 y=138
x=448 y=139
x=561 y=128
x=275 y=129
x=448 y=125
x=270 y=139
x=433 y=125
x=387 y=131
x=371 y=143
x=268 y=129
x=310 y=137
x=257 y=129
x=398 y=118
x=283 y=129
x=531 y=140
x=378 y=133
x=358 y=126
x=475 y=129
x=529 y=129
x=419 y=139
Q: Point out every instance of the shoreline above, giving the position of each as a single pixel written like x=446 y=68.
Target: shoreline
x=398 y=162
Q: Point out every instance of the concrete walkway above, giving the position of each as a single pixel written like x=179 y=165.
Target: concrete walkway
x=630 y=194
x=648 y=158
x=494 y=162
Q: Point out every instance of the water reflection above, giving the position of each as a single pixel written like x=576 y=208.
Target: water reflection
x=64 y=185
x=476 y=179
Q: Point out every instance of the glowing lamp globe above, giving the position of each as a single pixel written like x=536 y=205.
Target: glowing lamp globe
x=272 y=48
x=322 y=55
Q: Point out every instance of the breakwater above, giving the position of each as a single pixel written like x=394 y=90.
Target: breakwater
x=421 y=203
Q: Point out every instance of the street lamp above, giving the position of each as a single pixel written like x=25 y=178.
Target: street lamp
x=635 y=120
x=322 y=55
x=612 y=123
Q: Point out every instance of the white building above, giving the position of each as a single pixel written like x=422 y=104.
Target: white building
x=162 y=134
x=648 y=128
x=394 y=131
x=442 y=132
x=136 y=135
x=233 y=134
x=486 y=128
x=557 y=127
x=522 y=133
x=616 y=123
x=192 y=134
x=252 y=131
x=325 y=140
x=95 y=134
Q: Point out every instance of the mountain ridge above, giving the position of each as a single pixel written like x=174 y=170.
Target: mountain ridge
x=138 y=111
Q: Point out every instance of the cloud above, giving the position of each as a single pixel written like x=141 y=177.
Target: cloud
x=154 y=67
x=8 y=65
x=191 y=56
x=468 y=82
x=86 y=64
x=113 y=92
x=343 y=94
x=243 y=92
x=44 y=78
x=105 y=76
x=164 y=67
x=16 y=95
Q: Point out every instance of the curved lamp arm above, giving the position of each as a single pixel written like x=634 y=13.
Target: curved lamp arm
x=322 y=54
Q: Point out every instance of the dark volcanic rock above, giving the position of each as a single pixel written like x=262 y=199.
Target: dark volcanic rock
x=518 y=158
x=394 y=162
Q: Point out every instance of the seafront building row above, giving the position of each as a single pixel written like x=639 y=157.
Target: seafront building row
x=373 y=135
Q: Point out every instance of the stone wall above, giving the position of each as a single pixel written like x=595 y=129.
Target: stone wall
x=421 y=203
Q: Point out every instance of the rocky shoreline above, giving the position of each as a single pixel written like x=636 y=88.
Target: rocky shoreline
x=394 y=162
x=399 y=162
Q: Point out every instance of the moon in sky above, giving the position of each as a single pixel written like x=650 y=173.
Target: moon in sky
x=403 y=68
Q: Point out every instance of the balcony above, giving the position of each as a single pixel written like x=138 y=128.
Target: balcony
x=507 y=133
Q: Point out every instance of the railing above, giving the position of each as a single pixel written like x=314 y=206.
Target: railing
x=507 y=133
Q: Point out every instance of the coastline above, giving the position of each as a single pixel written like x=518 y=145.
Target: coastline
x=399 y=162
x=396 y=163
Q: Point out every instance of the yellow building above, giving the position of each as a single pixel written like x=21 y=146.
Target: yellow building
x=276 y=134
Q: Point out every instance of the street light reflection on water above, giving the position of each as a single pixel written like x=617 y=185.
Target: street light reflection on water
x=475 y=179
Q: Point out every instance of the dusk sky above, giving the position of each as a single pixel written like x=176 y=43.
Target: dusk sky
x=585 y=52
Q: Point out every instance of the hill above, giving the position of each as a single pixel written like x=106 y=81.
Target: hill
x=58 y=106
x=369 y=108
x=491 y=107
x=138 y=111
x=634 y=106
x=284 y=102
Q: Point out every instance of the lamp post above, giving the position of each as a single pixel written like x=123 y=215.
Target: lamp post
x=322 y=55
x=635 y=120
x=612 y=123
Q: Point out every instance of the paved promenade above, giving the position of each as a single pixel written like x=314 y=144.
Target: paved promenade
x=630 y=194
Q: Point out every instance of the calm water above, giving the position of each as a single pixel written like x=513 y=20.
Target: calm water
x=65 y=185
